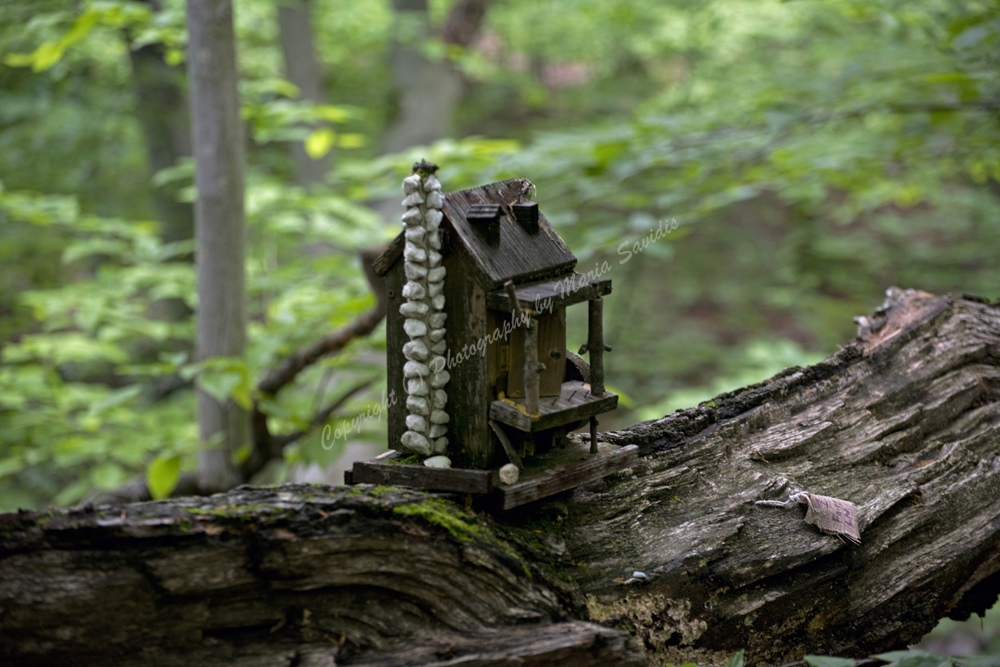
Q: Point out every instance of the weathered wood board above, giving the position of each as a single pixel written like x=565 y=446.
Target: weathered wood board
x=552 y=480
x=574 y=403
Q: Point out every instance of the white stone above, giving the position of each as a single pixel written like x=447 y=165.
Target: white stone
x=415 y=369
x=433 y=219
x=436 y=334
x=413 y=253
x=414 y=271
x=436 y=364
x=412 y=217
x=411 y=183
x=415 y=234
x=414 y=328
x=416 y=309
x=440 y=446
x=439 y=380
x=431 y=183
x=509 y=474
x=436 y=274
x=416 y=387
x=436 y=320
x=439 y=417
x=414 y=199
x=437 y=461
x=437 y=430
x=415 y=350
x=416 y=443
x=419 y=406
x=440 y=398
x=440 y=346
x=433 y=289
x=434 y=200
x=414 y=290
x=438 y=302
x=434 y=240
x=416 y=423
x=433 y=258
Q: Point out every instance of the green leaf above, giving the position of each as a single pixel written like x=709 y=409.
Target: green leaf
x=914 y=658
x=319 y=142
x=115 y=398
x=219 y=384
x=351 y=140
x=10 y=465
x=828 y=661
x=108 y=475
x=979 y=661
x=736 y=660
x=162 y=475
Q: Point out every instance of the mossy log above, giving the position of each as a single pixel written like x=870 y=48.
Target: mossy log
x=904 y=422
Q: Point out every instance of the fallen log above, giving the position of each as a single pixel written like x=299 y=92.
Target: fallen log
x=671 y=561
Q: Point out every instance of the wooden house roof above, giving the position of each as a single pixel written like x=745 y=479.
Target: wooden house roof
x=519 y=256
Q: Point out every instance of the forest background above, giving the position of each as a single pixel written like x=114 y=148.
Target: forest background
x=804 y=156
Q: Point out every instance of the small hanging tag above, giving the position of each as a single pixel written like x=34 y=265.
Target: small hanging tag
x=833 y=516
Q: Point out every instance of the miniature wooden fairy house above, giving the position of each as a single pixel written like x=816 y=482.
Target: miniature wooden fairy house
x=478 y=284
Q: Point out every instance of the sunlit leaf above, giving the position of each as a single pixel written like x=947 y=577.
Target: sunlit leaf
x=319 y=142
x=162 y=475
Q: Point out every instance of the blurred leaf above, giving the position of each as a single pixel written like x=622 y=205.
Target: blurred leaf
x=914 y=658
x=736 y=660
x=827 y=661
x=319 y=142
x=162 y=476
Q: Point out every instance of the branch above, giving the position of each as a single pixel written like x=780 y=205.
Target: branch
x=334 y=342
x=324 y=415
x=902 y=422
x=267 y=446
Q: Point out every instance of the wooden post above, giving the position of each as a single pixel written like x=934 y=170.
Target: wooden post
x=508 y=446
x=515 y=305
x=531 y=378
x=595 y=344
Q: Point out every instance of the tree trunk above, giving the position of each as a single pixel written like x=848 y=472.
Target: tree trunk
x=426 y=91
x=303 y=68
x=904 y=422
x=161 y=108
x=217 y=135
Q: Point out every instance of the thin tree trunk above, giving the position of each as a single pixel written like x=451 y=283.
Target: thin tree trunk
x=904 y=422
x=303 y=68
x=219 y=223
x=427 y=91
x=162 y=110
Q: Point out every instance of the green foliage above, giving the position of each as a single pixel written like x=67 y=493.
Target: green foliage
x=828 y=661
x=736 y=660
x=162 y=475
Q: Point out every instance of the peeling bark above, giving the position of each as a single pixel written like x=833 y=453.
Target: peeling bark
x=904 y=422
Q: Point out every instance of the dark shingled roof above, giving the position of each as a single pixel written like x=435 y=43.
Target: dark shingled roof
x=520 y=256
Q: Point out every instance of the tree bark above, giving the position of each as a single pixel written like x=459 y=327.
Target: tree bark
x=217 y=135
x=303 y=68
x=427 y=91
x=904 y=422
x=162 y=110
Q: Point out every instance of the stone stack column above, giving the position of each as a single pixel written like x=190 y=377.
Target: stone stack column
x=424 y=371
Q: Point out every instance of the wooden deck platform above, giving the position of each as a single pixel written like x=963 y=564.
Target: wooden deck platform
x=575 y=403
x=544 y=475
